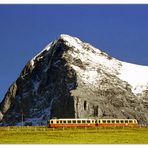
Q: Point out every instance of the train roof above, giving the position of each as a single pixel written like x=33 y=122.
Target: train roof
x=71 y=119
x=115 y=119
x=87 y=119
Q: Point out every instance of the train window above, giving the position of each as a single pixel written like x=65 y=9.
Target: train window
x=64 y=121
x=57 y=122
x=98 y=121
x=60 y=121
x=117 y=121
x=92 y=121
x=83 y=121
x=74 y=121
x=130 y=121
x=79 y=121
x=88 y=121
x=108 y=121
x=126 y=121
x=69 y=121
x=121 y=121
x=113 y=121
x=51 y=122
x=104 y=121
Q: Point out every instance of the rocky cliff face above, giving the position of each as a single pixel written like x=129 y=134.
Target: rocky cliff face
x=72 y=79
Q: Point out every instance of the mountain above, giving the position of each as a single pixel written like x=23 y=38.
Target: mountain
x=72 y=79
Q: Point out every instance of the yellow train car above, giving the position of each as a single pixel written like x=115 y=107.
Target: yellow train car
x=117 y=122
x=55 y=123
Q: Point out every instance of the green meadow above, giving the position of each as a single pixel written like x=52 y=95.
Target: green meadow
x=89 y=135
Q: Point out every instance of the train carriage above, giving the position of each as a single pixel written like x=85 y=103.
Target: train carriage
x=91 y=122
x=71 y=122
x=117 y=122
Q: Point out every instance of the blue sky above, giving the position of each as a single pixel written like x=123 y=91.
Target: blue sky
x=119 y=30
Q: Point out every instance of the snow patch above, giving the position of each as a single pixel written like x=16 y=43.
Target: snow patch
x=56 y=63
x=33 y=121
x=36 y=85
x=92 y=56
x=47 y=48
x=32 y=63
x=44 y=49
x=1 y=115
x=42 y=120
x=71 y=86
x=88 y=76
x=25 y=94
x=135 y=75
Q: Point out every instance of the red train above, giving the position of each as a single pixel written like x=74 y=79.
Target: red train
x=54 y=123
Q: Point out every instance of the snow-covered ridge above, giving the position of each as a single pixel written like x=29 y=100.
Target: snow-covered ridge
x=92 y=55
x=135 y=75
x=47 y=48
x=76 y=42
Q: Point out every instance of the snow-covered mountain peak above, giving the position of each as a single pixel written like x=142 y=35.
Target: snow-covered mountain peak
x=71 y=41
x=70 y=78
x=69 y=38
x=77 y=43
x=134 y=74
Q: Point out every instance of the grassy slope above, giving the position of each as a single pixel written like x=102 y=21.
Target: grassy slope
x=43 y=135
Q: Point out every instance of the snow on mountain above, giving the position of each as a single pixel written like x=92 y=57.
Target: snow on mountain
x=135 y=75
x=47 y=48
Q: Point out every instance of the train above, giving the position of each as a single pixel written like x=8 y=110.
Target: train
x=55 y=123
